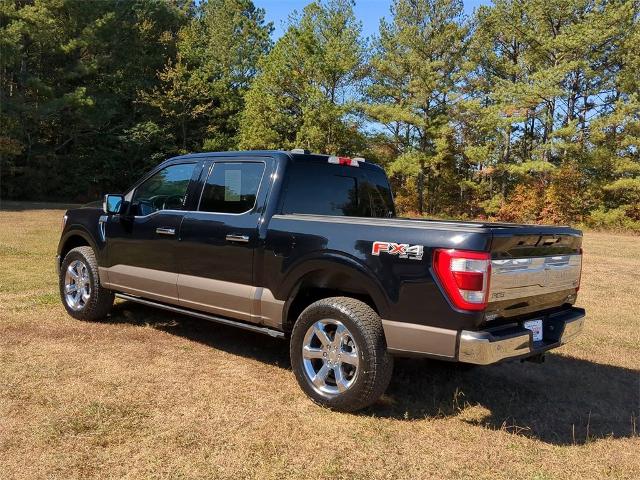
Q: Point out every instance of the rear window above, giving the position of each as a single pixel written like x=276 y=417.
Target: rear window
x=326 y=189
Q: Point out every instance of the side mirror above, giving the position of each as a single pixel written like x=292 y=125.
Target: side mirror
x=112 y=203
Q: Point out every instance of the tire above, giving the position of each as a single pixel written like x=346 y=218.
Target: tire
x=80 y=269
x=339 y=383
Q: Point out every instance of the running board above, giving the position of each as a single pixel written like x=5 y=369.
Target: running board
x=204 y=316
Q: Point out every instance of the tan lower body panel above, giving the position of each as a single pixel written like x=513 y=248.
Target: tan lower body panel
x=267 y=310
x=144 y=282
x=215 y=296
x=234 y=300
x=411 y=338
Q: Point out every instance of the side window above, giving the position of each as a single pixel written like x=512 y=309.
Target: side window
x=165 y=190
x=231 y=187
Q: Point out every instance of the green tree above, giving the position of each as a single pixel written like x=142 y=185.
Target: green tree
x=546 y=76
x=202 y=91
x=70 y=73
x=415 y=72
x=304 y=94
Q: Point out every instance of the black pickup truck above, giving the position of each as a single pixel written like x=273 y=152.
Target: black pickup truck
x=308 y=247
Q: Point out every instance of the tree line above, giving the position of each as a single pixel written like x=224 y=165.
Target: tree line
x=527 y=110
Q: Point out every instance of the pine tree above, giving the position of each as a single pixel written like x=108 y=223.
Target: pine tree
x=304 y=93
x=416 y=68
x=202 y=91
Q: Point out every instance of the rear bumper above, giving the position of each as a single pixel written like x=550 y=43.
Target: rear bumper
x=491 y=346
x=482 y=347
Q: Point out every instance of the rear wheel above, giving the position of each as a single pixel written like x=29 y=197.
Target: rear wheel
x=82 y=295
x=339 y=354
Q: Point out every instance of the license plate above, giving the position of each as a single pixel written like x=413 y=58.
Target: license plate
x=536 y=328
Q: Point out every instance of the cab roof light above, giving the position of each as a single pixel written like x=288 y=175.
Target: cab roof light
x=351 y=162
x=301 y=151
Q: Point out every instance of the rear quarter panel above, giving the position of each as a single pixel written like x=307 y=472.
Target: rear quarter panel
x=403 y=289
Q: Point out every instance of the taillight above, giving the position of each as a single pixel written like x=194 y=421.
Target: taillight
x=464 y=276
x=581 y=262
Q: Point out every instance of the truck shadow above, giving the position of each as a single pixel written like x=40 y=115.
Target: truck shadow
x=266 y=349
x=563 y=401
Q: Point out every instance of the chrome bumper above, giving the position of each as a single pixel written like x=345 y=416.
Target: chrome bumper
x=491 y=346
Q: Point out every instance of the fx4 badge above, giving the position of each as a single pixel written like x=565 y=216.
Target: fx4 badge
x=403 y=250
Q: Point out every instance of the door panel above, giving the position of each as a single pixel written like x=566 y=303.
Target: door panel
x=217 y=246
x=142 y=242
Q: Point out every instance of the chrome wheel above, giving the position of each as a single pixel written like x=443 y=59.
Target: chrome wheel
x=330 y=357
x=77 y=286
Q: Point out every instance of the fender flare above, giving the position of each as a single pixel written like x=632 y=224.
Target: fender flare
x=332 y=263
x=76 y=231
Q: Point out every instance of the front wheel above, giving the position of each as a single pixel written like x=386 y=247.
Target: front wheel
x=82 y=295
x=339 y=354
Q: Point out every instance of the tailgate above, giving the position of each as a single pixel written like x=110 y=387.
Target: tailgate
x=532 y=269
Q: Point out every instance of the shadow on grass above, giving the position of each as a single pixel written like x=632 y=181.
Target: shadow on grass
x=264 y=348
x=563 y=401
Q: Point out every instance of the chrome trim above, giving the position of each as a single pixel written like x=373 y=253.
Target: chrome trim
x=572 y=329
x=330 y=357
x=482 y=348
x=204 y=316
x=158 y=212
x=77 y=285
x=165 y=231
x=477 y=347
x=101 y=227
x=515 y=278
x=237 y=238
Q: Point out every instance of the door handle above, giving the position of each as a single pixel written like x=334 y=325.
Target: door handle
x=237 y=238
x=165 y=231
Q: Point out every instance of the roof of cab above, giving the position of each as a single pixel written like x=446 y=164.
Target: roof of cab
x=314 y=157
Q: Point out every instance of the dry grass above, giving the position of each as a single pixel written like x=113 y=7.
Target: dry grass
x=154 y=395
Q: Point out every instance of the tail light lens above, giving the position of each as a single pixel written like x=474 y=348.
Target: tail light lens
x=464 y=276
x=581 y=263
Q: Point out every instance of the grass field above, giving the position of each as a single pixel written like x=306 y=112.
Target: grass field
x=150 y=394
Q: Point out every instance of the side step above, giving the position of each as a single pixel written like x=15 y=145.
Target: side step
x=204 y=316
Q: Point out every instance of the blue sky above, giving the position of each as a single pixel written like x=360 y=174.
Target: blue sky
x=368 y=12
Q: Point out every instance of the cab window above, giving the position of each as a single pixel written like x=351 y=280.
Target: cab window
x=165 y=190
x=232 y=187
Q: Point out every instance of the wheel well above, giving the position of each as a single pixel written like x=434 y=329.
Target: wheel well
x=72 y=242
x=318 y=286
